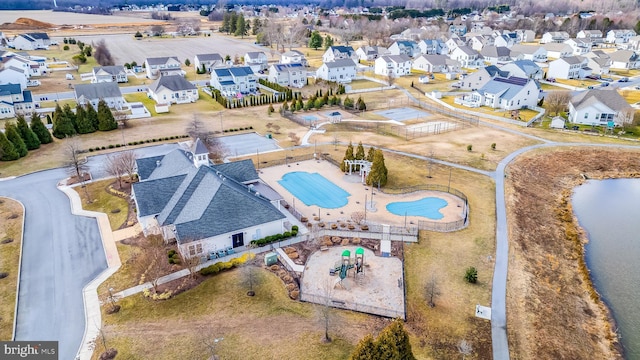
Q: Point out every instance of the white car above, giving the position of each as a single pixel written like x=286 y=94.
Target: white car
x=69 y=76
x=33 y=83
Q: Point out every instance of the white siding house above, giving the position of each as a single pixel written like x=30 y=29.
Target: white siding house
x=109 y=74
x=293 y=75
x=293 y=57
x=558 y=50
x=15 y=101
x=173 y=89
x=579 y=46
x=594 y=35
x=256 y=60
x=554 y=36
x=209 y=61
x=529 y=52
x=619 y=36
x=234 y=80
x=161 y=66
x=504 y=93
x=572 y=67
x=342 y=71
x=466 y=56
x=436 y=64
x=624 y=59
x=405 y=47
x=598 y=107
x=393 y=65
x=370 y=53
x=334 y=53
x=93 y=93
x=478 y=79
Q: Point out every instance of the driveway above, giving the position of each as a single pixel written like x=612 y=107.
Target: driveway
x=61 y=253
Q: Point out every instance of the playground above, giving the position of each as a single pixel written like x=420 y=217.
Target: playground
x=354 y=278
x=359 y=196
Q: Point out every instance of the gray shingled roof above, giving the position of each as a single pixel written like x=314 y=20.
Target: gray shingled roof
x=524 y=49
x=340 y=63
x=623 y=56
x=209 y=57
x=97 y=91
x=171 y=82
x=495 y=51
x=241 y=171
x=113 y=70
x=176 y=162
x=438 y=60
x=147 y=165
x=572 y=60
x=161 y=60
x=152 y=196
x=557 y=47
x=198 y=147
x=610 y=98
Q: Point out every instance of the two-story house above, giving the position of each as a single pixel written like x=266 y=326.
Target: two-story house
x=459 y=30
x=436 y=64
x=293 y=57
x=598 y=107
x=619 y=36
x=15 y=101
x=572 y=67
x=624 y=59
x=525 y=36
x=510 y=93
x=405 y=47
x=13 y=75
x=371 y=53
x=257 y=61
x=594 y=35
x=173 y=89
x=31 y=41
x=234 y=80
x=208 y=61
x=433 y=47
x=557 y=50
x=162 y=66
x=334 y=53
x=478 y=79
x=528 y=52
x=554 y=36
x=454 y=42
x=341 y=70
x=293 y=75
x=114 y=73
x=580 y=46
x=466 y=56
x=495 y=54
x=504 y=40
x=393 y=65
x=93 y=93
x=599 y=62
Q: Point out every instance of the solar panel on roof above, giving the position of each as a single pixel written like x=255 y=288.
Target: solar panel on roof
x=513 y=80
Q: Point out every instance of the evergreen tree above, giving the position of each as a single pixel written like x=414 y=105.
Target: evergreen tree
x=255 y=28
x=62 y=125
x=241 y=27
x=29 y=137
x=13 y=135
x=348 y=155
x=285 y=106
x=92 y=116
x=393 y=343
x=106 y=121
x=348 y=102
x=226 y=21
x=378 y=173
x=315 y=41
x=70 y=115
x=7 y=150
x=371 y=154
x=365 y=350
x=318 y=103
x=360 y=151
x=360 y=105
x=318 y=23
x=84 y=124
x=233 y=23
x=299 y=105
x=328 y=41
x=40 y=130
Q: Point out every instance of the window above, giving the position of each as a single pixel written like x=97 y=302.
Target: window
x=586 y=115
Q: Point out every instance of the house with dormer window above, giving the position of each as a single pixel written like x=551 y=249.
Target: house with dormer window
x=162 y=66
x=334 y=53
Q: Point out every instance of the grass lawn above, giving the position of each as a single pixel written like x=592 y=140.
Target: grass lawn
x=102 y=201
x=632 y=96
x=10 y=228
x=578 y=82
x=268 y=325
x=364 y=84
x=547 y=87
x=525 y=114
x=625 y=72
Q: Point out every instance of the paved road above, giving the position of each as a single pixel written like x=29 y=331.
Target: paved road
x=61 y=254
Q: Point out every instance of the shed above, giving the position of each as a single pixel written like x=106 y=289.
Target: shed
x=557 y=123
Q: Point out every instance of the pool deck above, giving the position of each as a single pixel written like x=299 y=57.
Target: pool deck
x=351 y=183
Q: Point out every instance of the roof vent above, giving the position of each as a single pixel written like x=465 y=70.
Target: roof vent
x=257 y=193
x=158 y=163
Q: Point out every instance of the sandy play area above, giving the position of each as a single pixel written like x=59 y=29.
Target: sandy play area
x=376 y=212
x=379 y=291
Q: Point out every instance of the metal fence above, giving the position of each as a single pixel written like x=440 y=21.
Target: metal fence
x=369 y=309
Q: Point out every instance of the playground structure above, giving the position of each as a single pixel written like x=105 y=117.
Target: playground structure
x=346 y=264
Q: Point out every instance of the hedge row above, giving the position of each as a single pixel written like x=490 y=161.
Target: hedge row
x=239 y=129
x=112 y=146
x=277 y=237
x=225 y=265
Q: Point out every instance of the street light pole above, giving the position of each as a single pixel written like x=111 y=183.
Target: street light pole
x=449 y=186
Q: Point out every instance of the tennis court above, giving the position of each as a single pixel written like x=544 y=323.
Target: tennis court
x=402 y=114
x=246 y=144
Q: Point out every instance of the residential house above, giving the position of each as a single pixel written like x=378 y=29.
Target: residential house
x=619 y=36
x=624 y=59
x=393 y=65
x=459 y=30
x=432 y=47
x=209 y=61
x=504 y=41
x=477 y=43
x=594 y=35
x=454 y=42
x=478 y=79
x=234 y=80
x=370 y=53
x=339 y=52
x=293 y=57
x=15 y=101
x=29 y=67
x=13 y=75
x=257 y=61
x=31 y=41
x=206 y=208
x=293 y=75
x=162 y=66
x=93 y=93
x=436 y=64
x=634 y=43
x=523 y=69
x=599 y=62
x=510 y=93
x=414 y=34
x=528 y=52
x=341 y=70
x=572 y=67
x=467 y=57
x=405 y=47
x=557 y=50
x=554 y=36
x=114 y=73
x=173 y=89
x=579 y=46
x=495 y=54
x=525 y=36
x=599 y=107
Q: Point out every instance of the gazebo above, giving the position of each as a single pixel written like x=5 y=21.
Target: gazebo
x=364 y=167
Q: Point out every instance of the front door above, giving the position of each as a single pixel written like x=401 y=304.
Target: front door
x=237 y=239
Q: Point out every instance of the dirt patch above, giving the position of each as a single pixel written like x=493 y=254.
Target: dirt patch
x=554 y=312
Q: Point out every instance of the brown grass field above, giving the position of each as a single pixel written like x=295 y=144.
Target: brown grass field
x=11 y=214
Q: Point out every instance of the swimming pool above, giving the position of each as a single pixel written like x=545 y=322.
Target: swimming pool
x=310 y=118
x=314 y=189
x=428 y=207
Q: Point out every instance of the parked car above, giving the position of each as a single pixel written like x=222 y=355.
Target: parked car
x=593 y=77
x=69 y=76
x=455 y=85
x=637 y=87
x=605 y=84
x=33 y=83
x=624 y=79
x=606 y=79
x=551 y=80
x=591 y=87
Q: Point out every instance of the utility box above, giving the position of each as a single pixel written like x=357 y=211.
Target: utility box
x=270 y=259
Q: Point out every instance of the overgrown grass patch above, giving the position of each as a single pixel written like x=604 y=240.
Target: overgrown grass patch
x=11 y=216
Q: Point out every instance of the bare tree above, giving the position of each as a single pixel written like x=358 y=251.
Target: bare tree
x=276 y=128
x=102 y=54
x=157 y=30
x=626 y=117
x=196 y=129
x=250 y=278
x=127 y=161
x=557 y=101
x=391 y=78
x=465 y=348
x=191 y=262
x=294 y=35
x=209 y=341
x=295 y=139
x=335 y=142
x=153 y=263
x=101 y=338
x=325 y=313
x=430 y=163
x=112 y=166
x=357 y=216
x=75 y=163
x=432 y=290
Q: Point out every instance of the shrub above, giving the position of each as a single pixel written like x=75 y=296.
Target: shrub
x=294 y=228
x=469 y=147
x=286 y=234
x=103 y=148
x=111 y=146
x=90 y=149
x=171 y=252
x=3 y=275
x=66 y=47
x=493 y=146
x=118 y=145
x=471 y=275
